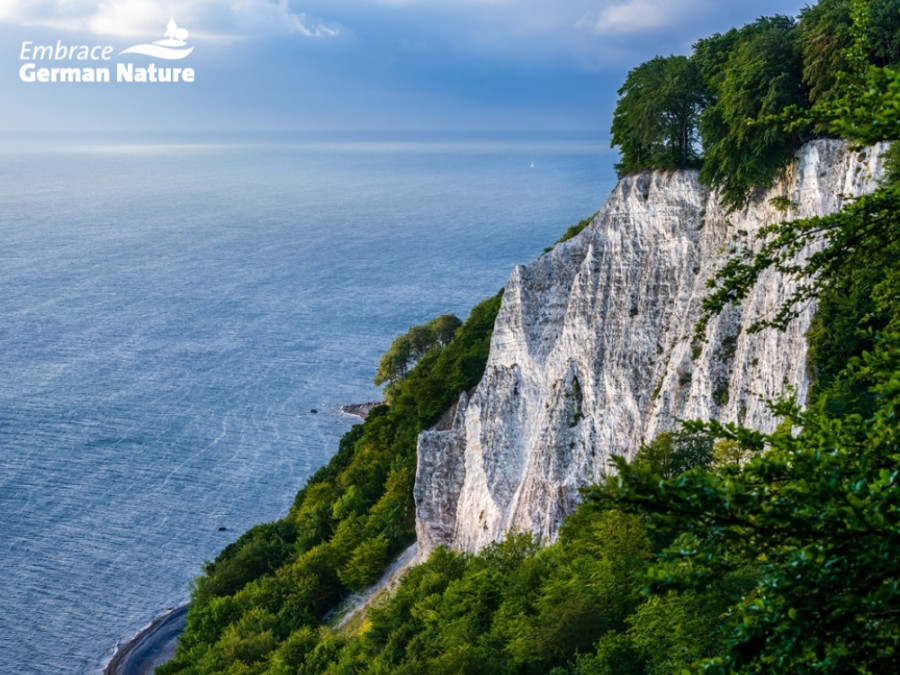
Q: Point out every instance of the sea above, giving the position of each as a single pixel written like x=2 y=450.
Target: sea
x=180 y=321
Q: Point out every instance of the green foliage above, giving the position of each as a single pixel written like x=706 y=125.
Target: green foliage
x=575 y=606
x=669 y=631
x=842 y=328
x=816 y=516
x=827 y=38
x=818 y=512
x=444 y=329
x=866 y=110
x=755 y=72
x=394 y=363
x=865 y=234
x=258 y=605
x=655 y=121
x=257 y=552
x=891 y=159
x=513 y=608
x=572 y=231
x=883 y=33
x=726 y=98
x=674 y=452
x=431 y=389
x=867 y=114
x=782 y=203
x=824 y=35
x=366 y=563
x=727 y=451
x=408 y=348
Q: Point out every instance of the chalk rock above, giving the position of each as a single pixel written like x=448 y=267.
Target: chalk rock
x=592 y=350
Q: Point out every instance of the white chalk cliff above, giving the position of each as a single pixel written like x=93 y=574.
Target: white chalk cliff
x=592 y=352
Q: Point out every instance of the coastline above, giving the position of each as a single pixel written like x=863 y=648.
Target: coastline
x=152 y=647
x=360 y=409
x=155 y=644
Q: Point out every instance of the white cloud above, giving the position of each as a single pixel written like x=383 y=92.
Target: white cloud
x=210 y=19
x=633 y=16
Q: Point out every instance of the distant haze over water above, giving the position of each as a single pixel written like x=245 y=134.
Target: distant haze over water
x=171 y=315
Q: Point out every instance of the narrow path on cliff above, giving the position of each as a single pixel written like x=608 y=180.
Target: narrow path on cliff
x=351 y=611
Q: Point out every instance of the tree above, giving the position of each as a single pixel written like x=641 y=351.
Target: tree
x=883 y=33
x=824 y=37
x=421 y=338
x=817 y=513
x=864 y=234
x=366 y=563
x=655 y=121
x=445 y=327
x=754 y=72
x=819 y=509
x=408 y=348
x=674 y=452
x=354 y=515
x=825 y=33
x=394 y=364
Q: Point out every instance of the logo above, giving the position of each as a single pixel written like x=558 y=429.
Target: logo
x=92 y=63
x=170 y=48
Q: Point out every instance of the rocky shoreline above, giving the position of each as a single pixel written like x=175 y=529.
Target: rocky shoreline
x=360 y=409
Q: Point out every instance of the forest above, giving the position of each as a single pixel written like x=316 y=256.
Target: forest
x=714 y=110
x=716 y=549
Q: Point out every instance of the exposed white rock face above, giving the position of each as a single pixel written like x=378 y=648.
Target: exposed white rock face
x=591 y=353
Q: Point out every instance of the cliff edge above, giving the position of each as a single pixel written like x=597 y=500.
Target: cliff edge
x=592 y=350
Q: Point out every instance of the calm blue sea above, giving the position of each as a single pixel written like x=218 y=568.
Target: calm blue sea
x=171 y=314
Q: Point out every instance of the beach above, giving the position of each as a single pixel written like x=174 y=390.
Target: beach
x=150 y=648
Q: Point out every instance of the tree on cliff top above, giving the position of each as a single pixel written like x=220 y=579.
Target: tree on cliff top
x=655 y=121
x=717 y=99
x=752 y=72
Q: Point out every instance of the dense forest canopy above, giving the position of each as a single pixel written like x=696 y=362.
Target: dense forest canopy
x=713 y=110
x=717 y=549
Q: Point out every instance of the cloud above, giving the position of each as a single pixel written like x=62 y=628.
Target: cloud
x=209 y=19
x=634 y=16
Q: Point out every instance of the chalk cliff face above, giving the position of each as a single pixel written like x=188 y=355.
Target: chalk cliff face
x=592 y=352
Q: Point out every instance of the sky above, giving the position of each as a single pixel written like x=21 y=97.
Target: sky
x=275 y=66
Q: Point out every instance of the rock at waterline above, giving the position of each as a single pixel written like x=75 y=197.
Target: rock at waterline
x=360 y=409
